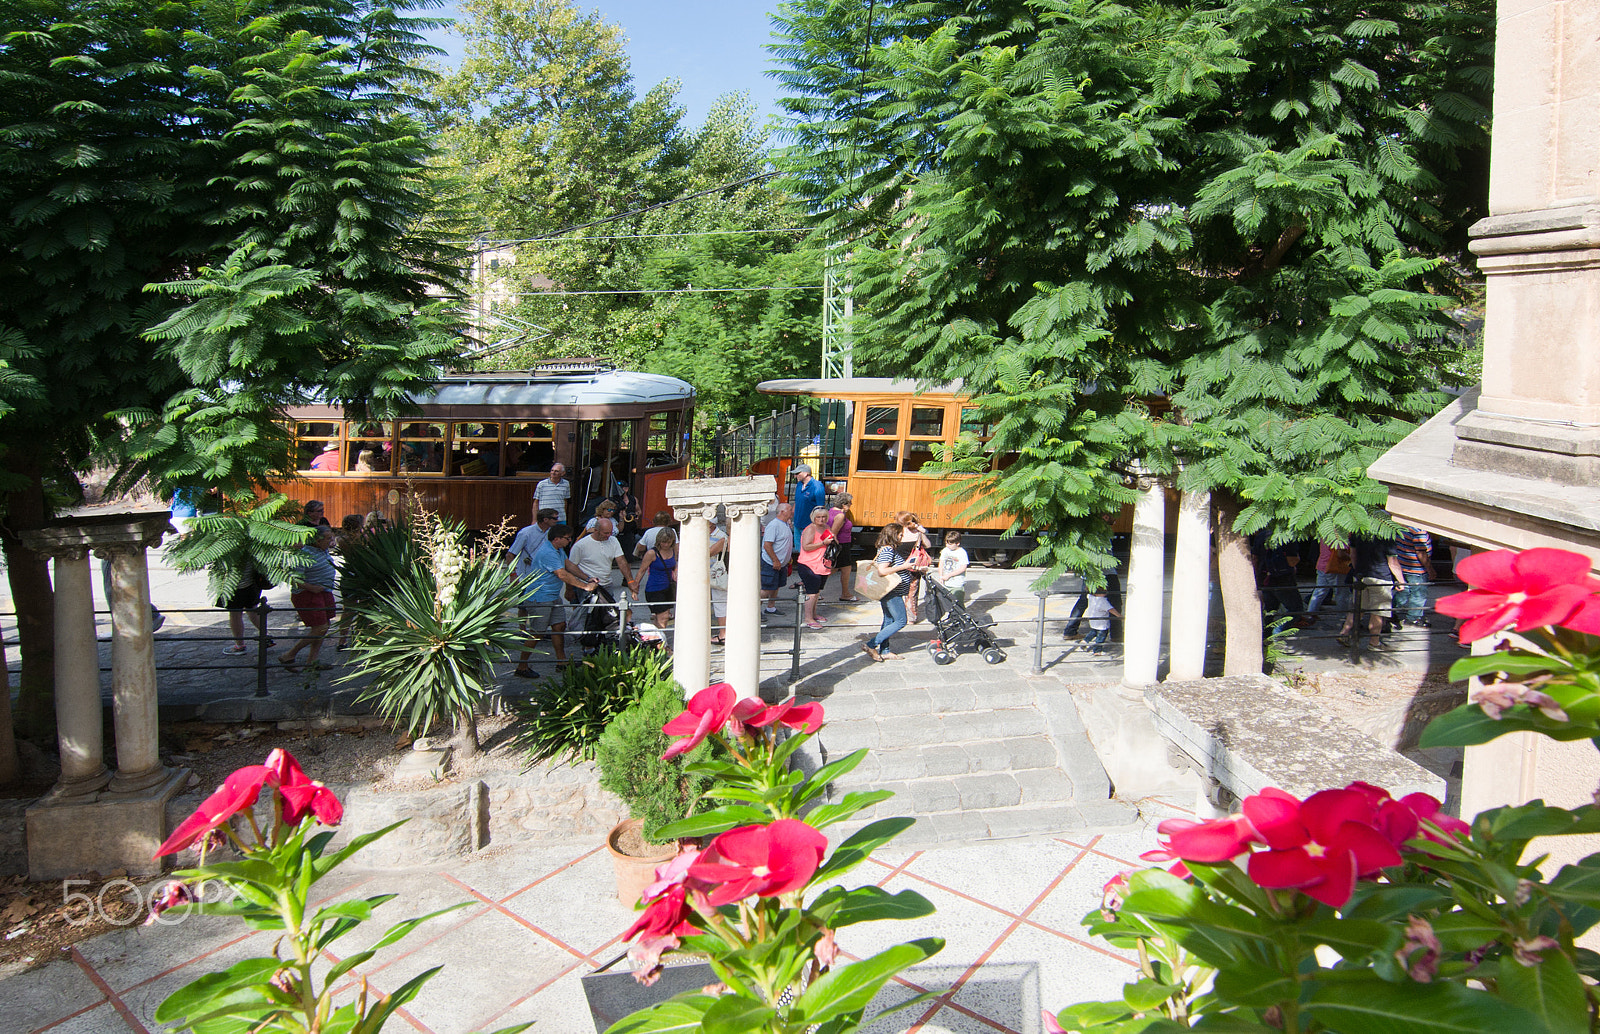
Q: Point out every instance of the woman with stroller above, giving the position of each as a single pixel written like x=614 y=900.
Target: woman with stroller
x=812 y=563
x=892 y=567
x=913 y=538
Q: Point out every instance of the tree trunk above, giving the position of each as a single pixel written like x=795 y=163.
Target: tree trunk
x=1241 y=602
x=31 y=595
x=465 y=740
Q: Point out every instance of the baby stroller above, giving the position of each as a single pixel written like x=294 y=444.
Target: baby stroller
x=957 y=630
x=595 y=628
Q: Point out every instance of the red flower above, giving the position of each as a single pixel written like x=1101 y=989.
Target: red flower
x=765 y=860
x=803 y=717
x=301 y=794
x=667 y=915
x=1531 y=589
x=238 y=792
x=1212 y=841
x=170 y=896
x=1426 y=808
x=1319 y=846
x=708 y=711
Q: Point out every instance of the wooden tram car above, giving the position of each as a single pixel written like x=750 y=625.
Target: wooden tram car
x=478 y=443
x=877 y=435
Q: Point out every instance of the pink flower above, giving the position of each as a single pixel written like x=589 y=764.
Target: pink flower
x=707 y=712
x=301 y=794
x=170 y=896
x=671 y=874
x=1420 y=952
x=1426 y=808
x=238 y=792
x=1319 y=846
x=1209 y=842
x=1502 y=696
x=1050 y=1024
x=802 y=717
x=1526 y=590
x=826 y=950
x=1111 y=895
x=762 y=860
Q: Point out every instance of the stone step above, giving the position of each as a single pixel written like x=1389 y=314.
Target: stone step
x=891 y=731
x=1027 y=820
x=897 y=764
x=894 y=693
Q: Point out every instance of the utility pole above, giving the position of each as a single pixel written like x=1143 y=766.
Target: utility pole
x=838 y=309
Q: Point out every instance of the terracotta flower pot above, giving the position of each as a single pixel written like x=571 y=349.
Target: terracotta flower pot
x=635 y=872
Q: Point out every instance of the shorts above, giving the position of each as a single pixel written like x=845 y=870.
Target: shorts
x=847 y=558
x=812 y=581
x=771 y=577
x=719 y=602
x=1376 y=595
x=661 y=600
x=316 y=609
x=245 y=597
x=541 y=616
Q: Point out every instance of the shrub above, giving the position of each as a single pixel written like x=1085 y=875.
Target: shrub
x=375 y=561
x=629 y=755
x=565 y=715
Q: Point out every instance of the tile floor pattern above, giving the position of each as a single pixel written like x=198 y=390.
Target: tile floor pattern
x=1009 y=912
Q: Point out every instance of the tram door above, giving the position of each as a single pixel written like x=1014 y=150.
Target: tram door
x=605 y=459
x=837 y=419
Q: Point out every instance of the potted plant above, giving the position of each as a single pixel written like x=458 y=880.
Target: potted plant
x=637 y=764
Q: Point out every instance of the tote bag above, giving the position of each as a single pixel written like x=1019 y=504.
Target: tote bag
x=872 y=584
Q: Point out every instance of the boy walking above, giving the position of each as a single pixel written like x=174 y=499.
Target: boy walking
x=1099 y=612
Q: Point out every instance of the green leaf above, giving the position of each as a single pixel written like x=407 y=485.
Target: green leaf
x=1088 y=1015
x=1384 y=901
x=1463 y=931
x=1552 y=991
x=858 y=846
x=819 y=780
x=400 y=929
x=1352 y=938
x=380 y=1013
x=839 y=908
x=196 y=997
x=682 y=1013
x=1375 y=1007
x=718 y=820
x=1253 y=985
x=851 y=803
x=1510 y=663
x=1144 y=995
x=736 y=1014
x=1468 y=726
x=852 y=987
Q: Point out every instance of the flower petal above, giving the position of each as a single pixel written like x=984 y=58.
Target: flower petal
x=1542 y=568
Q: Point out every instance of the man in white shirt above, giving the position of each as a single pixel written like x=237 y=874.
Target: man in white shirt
x=594 y=555
x=777 y=546
x=553 y=492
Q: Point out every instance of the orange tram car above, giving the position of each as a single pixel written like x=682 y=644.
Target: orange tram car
x=874 y=435
x=478 y=443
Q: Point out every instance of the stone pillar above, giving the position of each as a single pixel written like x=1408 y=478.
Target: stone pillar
x=1141 y=637
x=133 y=670
x=80 y=826
x=1191 y=589
x=691 y=645
x=744 y=500
x=77 y=689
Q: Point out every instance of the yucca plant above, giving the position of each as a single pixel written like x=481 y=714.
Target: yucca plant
x=247 y=534
x=565 y=715
x=429 y=642
x=374 y=561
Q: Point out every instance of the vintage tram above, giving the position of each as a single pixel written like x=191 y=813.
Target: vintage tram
x=478 y=443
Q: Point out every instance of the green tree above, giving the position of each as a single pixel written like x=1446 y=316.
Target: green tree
x=1215 y=242
x=213 y=209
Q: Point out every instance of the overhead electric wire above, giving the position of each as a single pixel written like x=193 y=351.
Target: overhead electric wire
x=500 y=242
x=667 y=290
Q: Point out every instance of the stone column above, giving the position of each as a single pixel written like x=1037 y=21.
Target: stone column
x=1191 y=589
x=78 y=711
x=133 y=671
x=744 y=500
x=691 y=646
x=1141 y=638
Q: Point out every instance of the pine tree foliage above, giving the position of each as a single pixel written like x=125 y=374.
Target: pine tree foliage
x=1216 y=243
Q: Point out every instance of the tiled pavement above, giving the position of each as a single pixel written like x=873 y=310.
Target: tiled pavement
x=541 y=918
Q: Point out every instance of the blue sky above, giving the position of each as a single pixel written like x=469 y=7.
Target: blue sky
x=711 y=46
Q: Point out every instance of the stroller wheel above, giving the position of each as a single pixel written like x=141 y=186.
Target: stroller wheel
x=940 y=654
x=993 y=655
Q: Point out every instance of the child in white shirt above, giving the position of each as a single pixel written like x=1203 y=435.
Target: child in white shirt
x=952 y=573
x=1099 y=612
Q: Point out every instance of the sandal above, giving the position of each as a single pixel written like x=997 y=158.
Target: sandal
x=851 y=599
x=816 y=624
x=718 y=640
x=524 y=673
x=235 y=650
x=295 y=668
x=871 y=652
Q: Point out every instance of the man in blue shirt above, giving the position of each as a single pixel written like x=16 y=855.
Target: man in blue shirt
x=542 y=607
x=808 y=495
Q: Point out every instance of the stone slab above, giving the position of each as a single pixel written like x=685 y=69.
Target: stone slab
x=101 y=832
x=1247 y=734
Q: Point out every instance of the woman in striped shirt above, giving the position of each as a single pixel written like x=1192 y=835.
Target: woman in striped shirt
x=890 y=564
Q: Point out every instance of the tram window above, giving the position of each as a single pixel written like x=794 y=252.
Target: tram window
x=316 y=447
x=883 y=421
x=476 y=450
x=371 y=449
x=662 y=441
x=530 y=449
x=927 y=422
x=881 y=454
x=919 y=453
x=971 y=423
x=422 y=448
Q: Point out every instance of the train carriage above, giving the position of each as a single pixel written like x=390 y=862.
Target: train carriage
x=478 y=443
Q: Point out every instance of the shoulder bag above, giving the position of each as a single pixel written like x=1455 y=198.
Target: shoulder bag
x=873 y=584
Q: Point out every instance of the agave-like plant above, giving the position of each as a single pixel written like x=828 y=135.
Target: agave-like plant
x=429 y=641
x=566 y=714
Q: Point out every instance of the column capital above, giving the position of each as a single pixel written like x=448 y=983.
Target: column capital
x=738 y=496
x=72 y=537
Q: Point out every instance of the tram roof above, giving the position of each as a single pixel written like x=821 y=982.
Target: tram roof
x=600 y=387
x=847 y=387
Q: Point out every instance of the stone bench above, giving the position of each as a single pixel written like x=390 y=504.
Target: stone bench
x=1244 y=733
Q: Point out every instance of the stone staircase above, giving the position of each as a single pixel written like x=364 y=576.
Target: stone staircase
x=973 y=752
